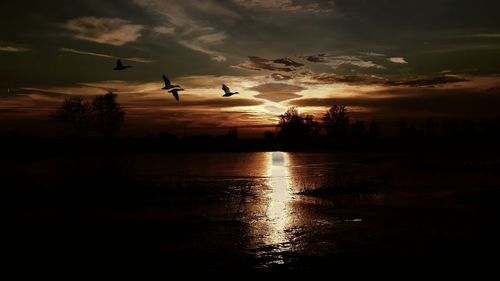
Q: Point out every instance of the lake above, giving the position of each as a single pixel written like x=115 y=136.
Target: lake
x=258 y=210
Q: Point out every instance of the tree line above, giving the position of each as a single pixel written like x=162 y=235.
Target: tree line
x=104 y=116
x=335 y=123
x=335 y=129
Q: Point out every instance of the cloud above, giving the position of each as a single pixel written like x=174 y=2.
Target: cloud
x=277 y=92
x=13 y=49
x=286 y=6
x=188 y=31
x=194 y=45
x=109 y=31
x=324 y=78
x=201 y=42
x=288 y=62
x=372 y=54
x=164 y=29
x=332 y=78
x=280 y=77
x=392 y=103
x=124 y=87
x=258 y=63
x=399 y=60
x=214 y=82
x=427 y=81
x=67 y=91
x=213 y=8
x=74 y=51
x=337 y=61
x=484 y=35
x=222 y=102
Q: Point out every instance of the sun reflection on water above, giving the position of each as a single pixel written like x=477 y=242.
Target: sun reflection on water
x=278 y=211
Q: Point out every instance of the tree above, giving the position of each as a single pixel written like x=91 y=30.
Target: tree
x=336 y=121
x=107 y=115
x=295 y=126
x=75 y=114
x=103 y=115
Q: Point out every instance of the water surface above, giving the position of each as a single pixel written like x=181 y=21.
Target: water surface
x=253 y=210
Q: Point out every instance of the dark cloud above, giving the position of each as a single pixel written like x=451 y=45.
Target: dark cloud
x=411 y=102
x=364 y=79
x=362 y=60
x=428 y=81
x=314 y=7
x=277 y=92
x=334 y=61
x=111 y=31
x=258 y=63
x=10 y=110
x=288 y=62
x=331 y=78
x=222 y=102
x=80 y=52
x=317 y=58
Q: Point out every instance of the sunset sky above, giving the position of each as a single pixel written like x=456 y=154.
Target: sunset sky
x=384 y=59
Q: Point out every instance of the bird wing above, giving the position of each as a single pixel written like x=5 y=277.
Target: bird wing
x=226 y=89
x=119 y=63
x=175 y=94
x=165 y=79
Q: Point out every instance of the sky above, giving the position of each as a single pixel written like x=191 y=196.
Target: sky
x=383 y=59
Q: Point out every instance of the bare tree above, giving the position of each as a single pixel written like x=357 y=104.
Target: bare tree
x=107 y=115
x=336 y=121
x=75 y=114
x=78 y=116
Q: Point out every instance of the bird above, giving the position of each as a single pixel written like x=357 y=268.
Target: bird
x=168 y=85
x=175 y=93
x=120 y=66
x=227 y=91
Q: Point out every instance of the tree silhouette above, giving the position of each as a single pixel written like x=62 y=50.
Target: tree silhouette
x=294 y=126
x=75 y=114
x=336 y=121
x=107 y=115
x=104 y=115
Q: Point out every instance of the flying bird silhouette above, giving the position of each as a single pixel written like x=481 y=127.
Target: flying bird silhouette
x=227 y=91
x=120 y=66
x=175 y=93
x=168 y=85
